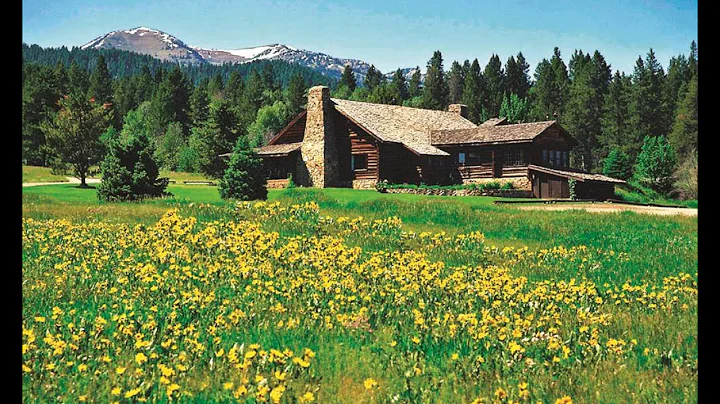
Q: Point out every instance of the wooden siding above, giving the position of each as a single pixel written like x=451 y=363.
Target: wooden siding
x=398 y=165
x=351 y=139
x=294 y=133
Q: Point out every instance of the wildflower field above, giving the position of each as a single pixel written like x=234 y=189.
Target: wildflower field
x=297 y=301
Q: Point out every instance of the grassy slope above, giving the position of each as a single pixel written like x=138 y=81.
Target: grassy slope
x=40 y=174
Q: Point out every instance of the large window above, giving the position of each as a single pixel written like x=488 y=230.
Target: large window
x=473 y=158
x=555 y=158
x=461 y=158
x=358 y=162
x=515 y=157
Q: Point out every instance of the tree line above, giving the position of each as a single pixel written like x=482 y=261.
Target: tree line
x=611 y=114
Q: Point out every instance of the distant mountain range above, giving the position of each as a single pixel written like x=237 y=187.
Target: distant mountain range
x=164 y=46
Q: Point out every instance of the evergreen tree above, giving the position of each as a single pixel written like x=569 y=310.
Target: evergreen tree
x=473 y=92
x=79 y=80
x=678 y=77
x=616 y=127
x=655 y=164
x=516 y=72
x=74 y=134
x=414 y=89
x=373 y=78
x=213 y=138
x=550 y=92
x=383 y=94
x=435 y=92
x=295 y=97
x=101 y=83
x=234 y=88
x=60 y=78
x=617 y=165
x=456 y=83
x=215 y=87
x=348 y=78
x=129 y=171
x=494 y=78
x=514 y=108
x=399 y=88
x=650 y=112
x=171 y=102
x=145 y=86
x=244 y=178
x=39 y=103
x=684 y=136
x=692 y=60
x=590 y=77
x=254 y=91
x=199 y=104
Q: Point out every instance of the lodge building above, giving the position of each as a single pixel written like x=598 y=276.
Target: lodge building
x=341 y=143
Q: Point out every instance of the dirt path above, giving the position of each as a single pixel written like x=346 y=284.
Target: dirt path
x=613 y=207
x=70 y=180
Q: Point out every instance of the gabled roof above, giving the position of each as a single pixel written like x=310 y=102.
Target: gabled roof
x=495 y=132
x=494 y=122
x=398 y=124
x=576 y=175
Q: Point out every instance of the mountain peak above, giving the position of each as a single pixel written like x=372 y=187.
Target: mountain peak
x=163 y=46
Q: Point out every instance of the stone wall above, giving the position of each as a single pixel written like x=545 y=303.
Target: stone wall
x=318 y=162
x=503 y=193
x=521 y=183
x=364 y=184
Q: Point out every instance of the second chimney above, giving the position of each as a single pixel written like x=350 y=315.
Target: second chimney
x=460 y=109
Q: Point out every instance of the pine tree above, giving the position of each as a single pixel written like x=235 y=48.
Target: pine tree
x=414 y=89
x=244 y=179
x=74 y=134
x=171 y=102
x=692 y=60
x=253 y=92
x=399 y=88
x=373 y=78
x=435 y=92
x=79 y=80
x=684 y=136
x=129 y=171
x=494 y=85
x=616 y=127
x=473 y=93
x=101 y=83
x=650 y=112
x=522 y=77
x=295 y=97
x=199 y=104
x=678 y=77
x=215 y=87
x=550 y=92
x=234 y=88
x=456 y=83
x=617 y=165
x=348 y=78
x=213 y=138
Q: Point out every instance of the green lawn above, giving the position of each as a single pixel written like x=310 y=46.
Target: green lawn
x=40 y=174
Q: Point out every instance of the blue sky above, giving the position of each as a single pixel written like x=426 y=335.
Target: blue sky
x=389 y=35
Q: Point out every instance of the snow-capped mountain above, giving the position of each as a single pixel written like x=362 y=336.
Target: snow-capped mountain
x=407 y=73
x=148 y=41
x=164 y=46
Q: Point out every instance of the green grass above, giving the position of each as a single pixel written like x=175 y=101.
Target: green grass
x=40 y=174
x=637 y=194
x=180 y=176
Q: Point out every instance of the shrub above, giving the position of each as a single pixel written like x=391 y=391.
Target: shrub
x=187 y=159
x=129 y=171
x=291 y=183
x=507 y=185
x=687 y=176
x=655 y=164
x=244 y=178
x=617 y=165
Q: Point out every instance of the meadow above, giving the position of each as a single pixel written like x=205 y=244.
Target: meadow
x=352 y=296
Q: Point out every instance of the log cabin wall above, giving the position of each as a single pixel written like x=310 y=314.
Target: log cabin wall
x=352 y=140
x=279 y=167
x=492 y=161
x=295 y=133
x=398 y=165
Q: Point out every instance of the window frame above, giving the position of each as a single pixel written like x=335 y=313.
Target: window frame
x=517 y=159
x=353 y=165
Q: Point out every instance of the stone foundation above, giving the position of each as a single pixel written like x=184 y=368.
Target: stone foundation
x=364 y=184
x=503 y=193
x=519 y=183
x=277 y=184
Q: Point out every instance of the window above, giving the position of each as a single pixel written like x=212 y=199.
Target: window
x=515 y=157
x=358 y=162
x=565 y=159
x=461 y=158
x=545 y=156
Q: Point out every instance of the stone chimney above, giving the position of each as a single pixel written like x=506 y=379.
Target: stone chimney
x=460 y=109
x=318 y=153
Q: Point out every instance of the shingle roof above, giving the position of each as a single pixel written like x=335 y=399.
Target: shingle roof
x=491 y=133
x=278 y=149
x=576 y=175
x=494 y=122
x=398 y=124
